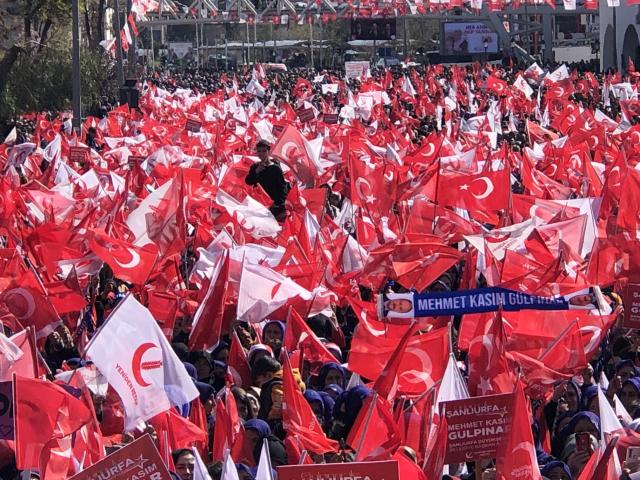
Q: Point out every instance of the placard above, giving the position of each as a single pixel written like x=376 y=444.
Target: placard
x=387 y=470
x=476 y=426
x=277 y=130
x=133 y=159
x=330 y=118
x=193 y=125
x=356 y=69
x=78 y=154
x=631 y=300
x=305 y=114
x=137 y=460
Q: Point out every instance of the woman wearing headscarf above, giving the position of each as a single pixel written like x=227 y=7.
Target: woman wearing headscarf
x=625 y=369
x=328 y=403
x=219 y=379
x=567 y=397
x=203 y=364
x=561 y=422
x=630 y=395
x=581 y=422
x=271 y=397
x=221 y=352
x=256 y=432
x=331 y=373
x=333 y=390
x=314 y=399
x=590 y=399
x=273 y=335
x=346 y=409
x=556 y=470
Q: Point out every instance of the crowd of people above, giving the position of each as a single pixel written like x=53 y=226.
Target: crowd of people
x=258 y=215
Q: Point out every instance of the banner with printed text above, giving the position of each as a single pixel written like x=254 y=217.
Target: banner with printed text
x=360 y=470
x=393 y=306
x=476 y=426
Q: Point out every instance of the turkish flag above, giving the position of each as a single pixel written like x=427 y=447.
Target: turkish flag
x=298 y=418
x=27 y=365
x=160 y=219
x=55 y=458
x=566 y=354
x=66 y=295
x=43 y=411
x=28 y=304
x=224 y=433
x=497 y=85
x=437 y=448
x=447 y=225
x=417 y=265
x=298 y=335
x=517 y=454
x=386 y=383
x=374 y=435
x=208 y=319
x=628 y=212
x=422 y=363
x=238 y=364
x=538 y=378
x=180 y=432
x=128 y=262
x=302 y=156
x=489 y=370
x=481 y=194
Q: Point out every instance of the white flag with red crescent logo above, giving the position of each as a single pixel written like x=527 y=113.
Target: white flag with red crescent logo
x=136 y=358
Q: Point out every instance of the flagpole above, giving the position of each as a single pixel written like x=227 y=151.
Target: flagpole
x=366 y=422
x=556 y=341
x=104 y=324
x=423 y=394
x=435 y=201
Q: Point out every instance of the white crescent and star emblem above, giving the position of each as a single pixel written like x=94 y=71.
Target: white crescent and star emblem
x=489 y=187
x=422 y=374
x=368 y=198
x=135 y=259
x=21 y=303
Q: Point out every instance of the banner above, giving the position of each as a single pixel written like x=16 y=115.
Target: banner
x=6 y=411
x=193 y=125
x=329 y=471
x=356 y=69
x=79 y=154
x=137 y=460
x=476 y=426
x=413 y=305
x=631 y=301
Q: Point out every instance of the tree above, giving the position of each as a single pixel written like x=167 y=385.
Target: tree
x=25 y=29
x=43 y=82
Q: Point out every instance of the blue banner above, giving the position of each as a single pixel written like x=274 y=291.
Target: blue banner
x=412 y=305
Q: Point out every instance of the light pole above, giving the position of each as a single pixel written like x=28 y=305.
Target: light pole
x=75 y=54
x=116 y=27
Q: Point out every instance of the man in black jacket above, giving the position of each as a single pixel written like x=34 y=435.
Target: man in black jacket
x=268 y=175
